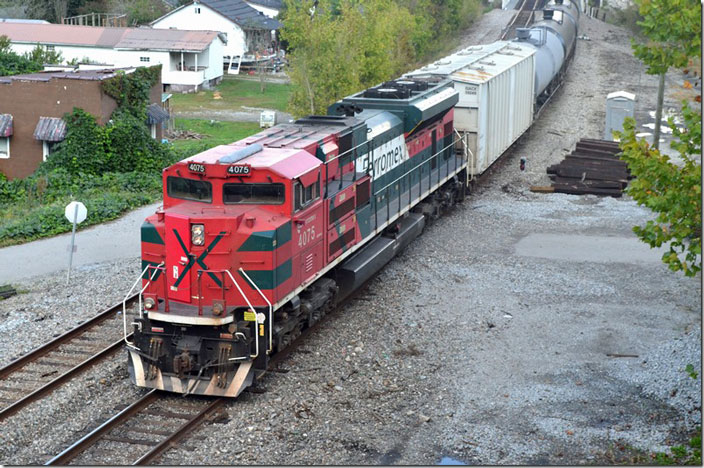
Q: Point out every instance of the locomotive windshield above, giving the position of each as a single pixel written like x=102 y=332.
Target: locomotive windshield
x=189 y=189
x=260 y=194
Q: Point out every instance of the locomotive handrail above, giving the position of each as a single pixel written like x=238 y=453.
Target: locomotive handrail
x=256 y=341
x=465 y=147
x=139 y=307
x=415 y=168
x=271 y=309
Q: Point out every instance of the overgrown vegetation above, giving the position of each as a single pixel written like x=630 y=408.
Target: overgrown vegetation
x=111 y=168
x=342 y=46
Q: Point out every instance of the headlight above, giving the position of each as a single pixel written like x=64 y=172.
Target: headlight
x=197 y=234
x=149 y=303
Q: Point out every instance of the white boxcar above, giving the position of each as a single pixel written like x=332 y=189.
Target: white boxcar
x=495 y=83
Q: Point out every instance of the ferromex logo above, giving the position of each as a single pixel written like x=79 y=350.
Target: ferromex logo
x=384 y=158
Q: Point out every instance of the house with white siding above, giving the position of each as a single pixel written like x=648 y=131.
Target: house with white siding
x=190 y=59
x=248 y=28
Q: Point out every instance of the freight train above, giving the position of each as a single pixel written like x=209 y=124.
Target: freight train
x=259 y=239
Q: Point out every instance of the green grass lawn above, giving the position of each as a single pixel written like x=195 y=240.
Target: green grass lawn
x=214 y=134
x=235 y=92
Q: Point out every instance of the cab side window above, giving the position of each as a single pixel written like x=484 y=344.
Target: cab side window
x=304 y=196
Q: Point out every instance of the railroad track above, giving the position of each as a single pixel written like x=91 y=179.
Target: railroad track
x=141 y=432
x=36 y=374
x=522 y=19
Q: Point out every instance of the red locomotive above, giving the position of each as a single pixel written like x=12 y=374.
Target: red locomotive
x=260 y=238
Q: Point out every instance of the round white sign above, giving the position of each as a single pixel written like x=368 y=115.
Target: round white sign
x=261 y=317
x=79 y=214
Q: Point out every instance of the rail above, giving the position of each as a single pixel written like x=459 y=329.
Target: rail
x=521 y=19
x=29 y=394
x=132 y=412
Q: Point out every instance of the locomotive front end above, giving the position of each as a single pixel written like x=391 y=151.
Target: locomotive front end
x=214 y=259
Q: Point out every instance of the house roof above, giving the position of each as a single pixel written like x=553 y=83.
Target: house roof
x=243 y=14
x=91 y=75
x=115 y=38
x=273 y=4
x=22 y=20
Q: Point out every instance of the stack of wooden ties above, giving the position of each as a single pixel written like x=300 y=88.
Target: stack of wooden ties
x=592 y=168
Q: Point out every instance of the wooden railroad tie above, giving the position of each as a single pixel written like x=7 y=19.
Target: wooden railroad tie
x=593 y=167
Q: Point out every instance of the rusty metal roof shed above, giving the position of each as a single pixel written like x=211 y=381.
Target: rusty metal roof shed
x=50 y=129
x=172 y=40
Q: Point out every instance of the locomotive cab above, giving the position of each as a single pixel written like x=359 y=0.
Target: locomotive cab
x=242 y=225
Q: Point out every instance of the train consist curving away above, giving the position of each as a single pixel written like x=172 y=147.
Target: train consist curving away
x=258 y=239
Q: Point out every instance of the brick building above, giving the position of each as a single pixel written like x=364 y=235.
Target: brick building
x=32 y=105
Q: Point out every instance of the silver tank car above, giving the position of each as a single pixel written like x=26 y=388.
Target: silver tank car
x=553 y=36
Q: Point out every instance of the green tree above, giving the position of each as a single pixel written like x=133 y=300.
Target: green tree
x=12 y=63
x=344 y=47
x=673 y=29
x=41 y=55
x=672 y=191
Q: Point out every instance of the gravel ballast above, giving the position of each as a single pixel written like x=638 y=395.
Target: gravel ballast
x=486 y=340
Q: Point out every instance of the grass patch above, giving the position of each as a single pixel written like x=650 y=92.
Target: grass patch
x=235 y=92
x=214 y=132
x=689 y=454
x=41 y=212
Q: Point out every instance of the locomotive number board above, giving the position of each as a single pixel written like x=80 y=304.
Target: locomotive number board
x=239 y=170
x=196 y=167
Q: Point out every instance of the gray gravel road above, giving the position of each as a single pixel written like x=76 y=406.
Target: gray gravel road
x=521 y=328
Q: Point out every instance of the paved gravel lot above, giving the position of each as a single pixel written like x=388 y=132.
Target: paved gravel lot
x=491 y=339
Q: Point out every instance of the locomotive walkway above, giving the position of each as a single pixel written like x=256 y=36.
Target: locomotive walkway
x=105 y=242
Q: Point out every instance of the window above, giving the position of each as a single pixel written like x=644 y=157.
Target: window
x=189 y=189
x=304 y=196
x=197 y=10
x=144 y=59
x=260 y=194
x=4 y=148
x=48 y=148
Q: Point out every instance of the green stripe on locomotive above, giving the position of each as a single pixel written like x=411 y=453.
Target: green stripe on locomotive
x=263 y=241
x=270 y=279
x=150 y=234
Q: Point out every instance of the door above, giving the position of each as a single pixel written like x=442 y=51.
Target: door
x=179 y=261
